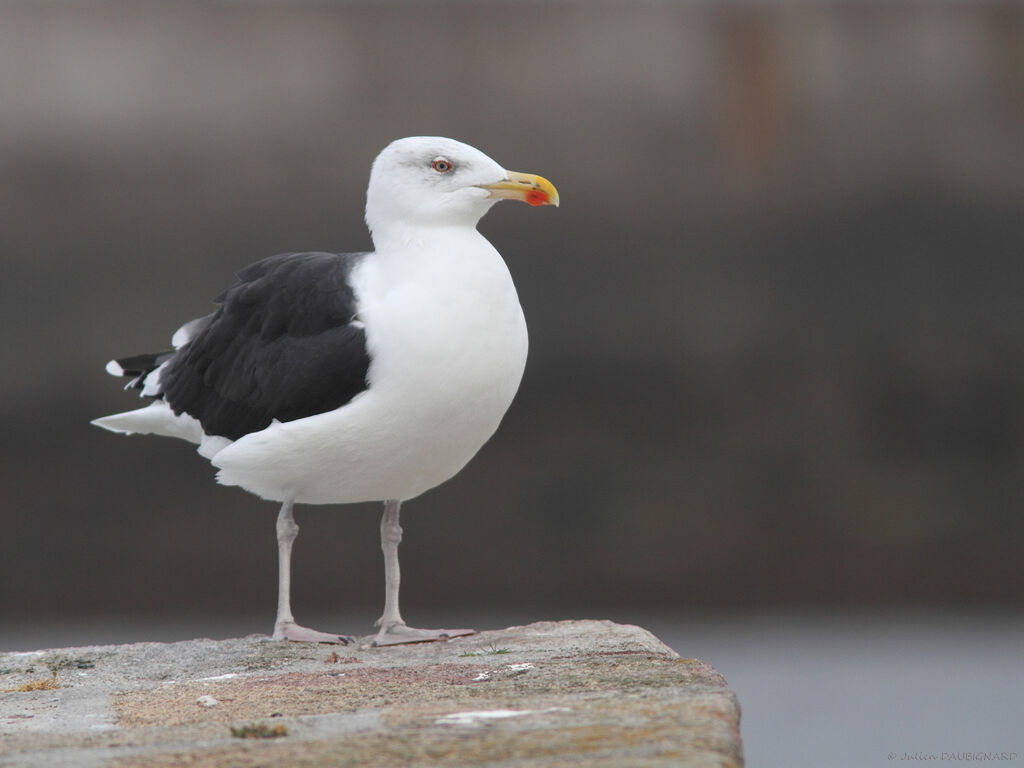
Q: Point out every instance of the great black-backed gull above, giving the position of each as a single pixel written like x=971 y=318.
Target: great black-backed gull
x=330 y=378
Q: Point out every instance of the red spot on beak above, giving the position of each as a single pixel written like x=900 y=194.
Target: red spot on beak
x=537 y=197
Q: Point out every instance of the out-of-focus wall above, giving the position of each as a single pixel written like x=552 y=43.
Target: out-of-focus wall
x=776 y=325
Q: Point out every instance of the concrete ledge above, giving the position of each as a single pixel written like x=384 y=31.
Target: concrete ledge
x=566 y=693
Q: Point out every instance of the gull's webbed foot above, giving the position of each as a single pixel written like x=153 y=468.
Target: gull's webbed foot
x=396 y=634
x=289 y=630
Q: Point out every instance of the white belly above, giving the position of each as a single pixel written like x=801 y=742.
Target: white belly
x=448 y=344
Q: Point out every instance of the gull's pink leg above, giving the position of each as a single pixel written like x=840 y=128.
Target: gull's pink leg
x=285 y=627
x=393 y=630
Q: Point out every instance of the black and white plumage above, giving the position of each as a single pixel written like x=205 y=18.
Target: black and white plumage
x=337 y=378
x=285 y=344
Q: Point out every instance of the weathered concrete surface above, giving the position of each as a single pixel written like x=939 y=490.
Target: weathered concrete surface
x=570 y=693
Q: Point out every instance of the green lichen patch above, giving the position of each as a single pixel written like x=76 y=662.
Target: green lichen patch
x=259 y=731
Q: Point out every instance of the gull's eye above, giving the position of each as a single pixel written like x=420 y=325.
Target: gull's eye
x=441 y=165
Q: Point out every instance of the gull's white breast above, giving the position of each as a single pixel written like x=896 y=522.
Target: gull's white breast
x=447 y=342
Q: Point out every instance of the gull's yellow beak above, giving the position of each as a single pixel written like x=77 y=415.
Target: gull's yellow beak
x=535 y=190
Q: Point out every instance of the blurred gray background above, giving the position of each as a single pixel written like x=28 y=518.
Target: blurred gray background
x=776 y=326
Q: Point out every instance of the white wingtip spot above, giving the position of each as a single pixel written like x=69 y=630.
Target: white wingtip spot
x=114 y=369
x=180 y=337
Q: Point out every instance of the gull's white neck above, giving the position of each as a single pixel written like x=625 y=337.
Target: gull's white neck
x=455 y=264
x=412 y=240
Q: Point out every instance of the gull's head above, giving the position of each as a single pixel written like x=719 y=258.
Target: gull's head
x=427 y=181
